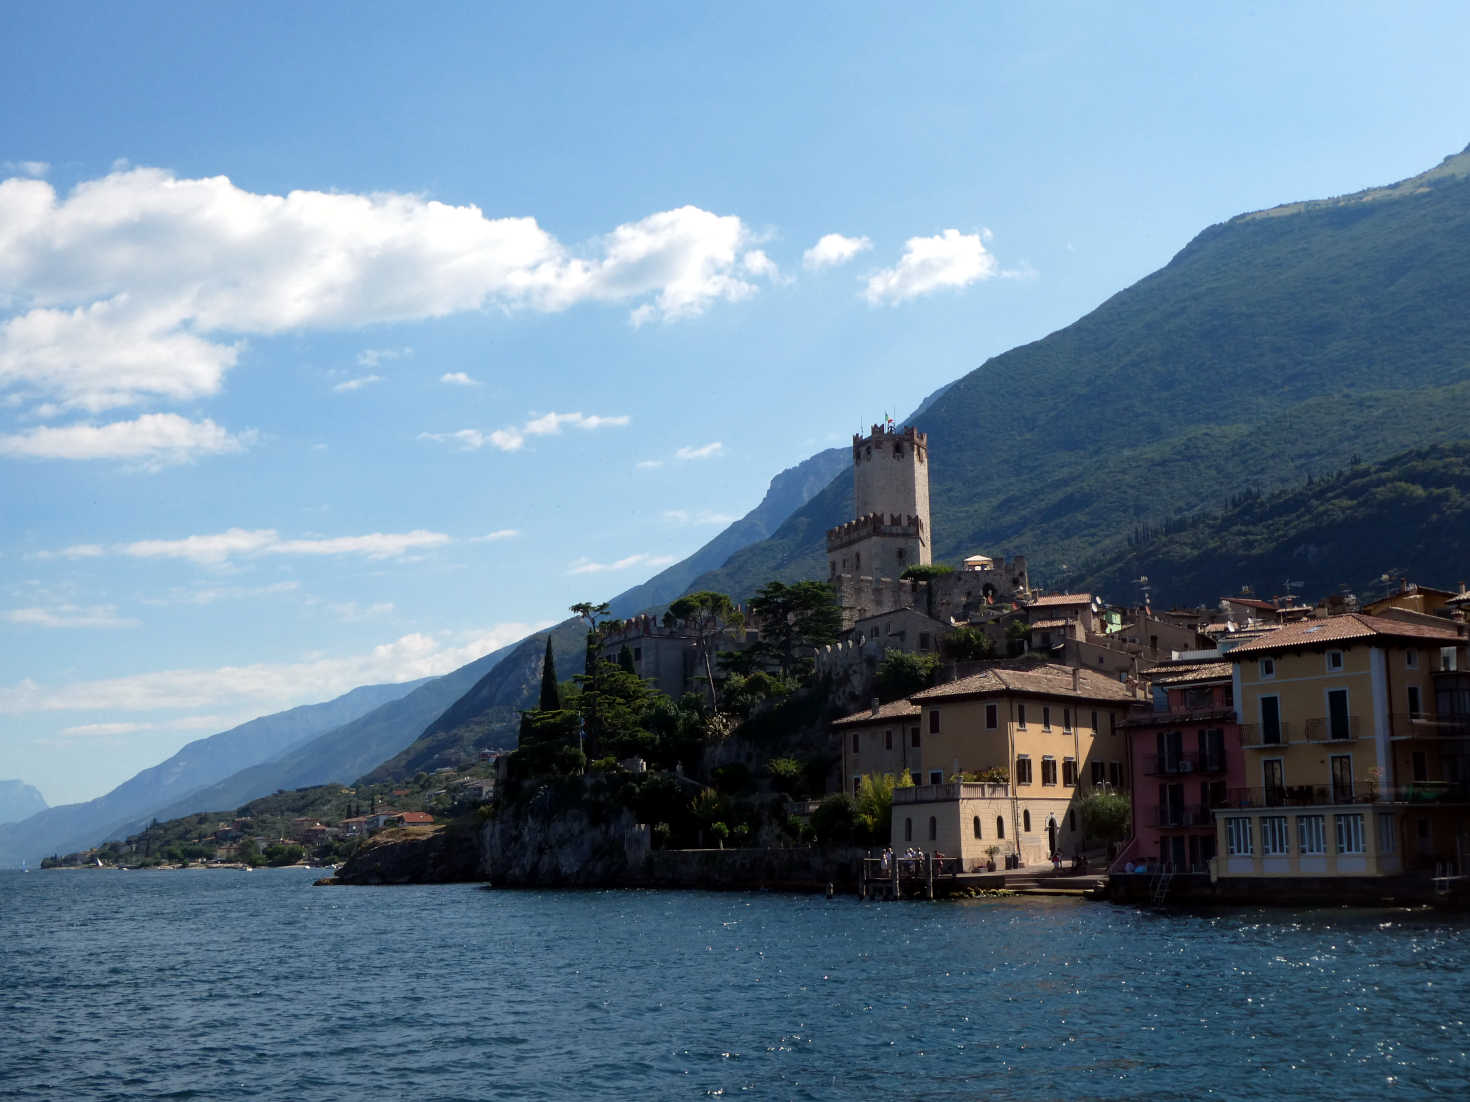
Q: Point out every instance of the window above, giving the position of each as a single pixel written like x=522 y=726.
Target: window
x=1411 y=659
x=1270 y=720
x=1099 y=772
x=933 y=828
x=1349 y=833
x=923 y=635
x=1274 y=841
x=914 y=776
x=1066 y=719
x=1420 y=765
x=1311 y=834
x=1238 y=837
x=857 y=787
x=1094 y=716
x=1069 y=772
x=1115 y=774
x=992 y=717
x=1026 y=820
x=1020 y=715
x=908 y=830
x=1045 y=718
x=934 y=721
x=637 y=654
x=1023 y=769
x=854 y=742
x=936 y=776
x=977 y=826
x=1048 y=770
x=1273 y=779
x=1268 y=668
x=1000 y=826
x=1414 y=705
x=1387 y=832
x=888 y=740
x=1334 y=660
x=914 y=737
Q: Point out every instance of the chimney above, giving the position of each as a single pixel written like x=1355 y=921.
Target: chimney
x=875 y=705
x=1076 y=679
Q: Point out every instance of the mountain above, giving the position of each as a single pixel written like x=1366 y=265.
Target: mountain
x=1408 y=516
x=1282 y=343
x=201 y=763
x=19 y=800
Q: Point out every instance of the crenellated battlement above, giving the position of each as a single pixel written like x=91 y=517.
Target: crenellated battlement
x=893 y=439
x=875 y=524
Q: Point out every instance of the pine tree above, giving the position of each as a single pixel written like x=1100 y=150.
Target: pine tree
x=550 y=690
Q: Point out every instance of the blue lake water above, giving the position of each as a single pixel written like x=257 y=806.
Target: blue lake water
x=222 y=985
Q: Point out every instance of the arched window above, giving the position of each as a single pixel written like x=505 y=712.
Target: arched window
x=908 y=830
x=977 y=826
x=1000 y=826
x=1026 y=820
x=933 y=828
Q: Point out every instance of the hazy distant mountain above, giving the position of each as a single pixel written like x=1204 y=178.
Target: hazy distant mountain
x=70 y=827
x=19 y=800
x=1282 y=343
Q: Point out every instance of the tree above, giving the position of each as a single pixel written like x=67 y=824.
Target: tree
x=875 y=807
x=967 y=644
x=625 y=660
x=835 y=822
x=794 y=621
x=901 y=674
x=1106 y=816
x=926 y=571
x=704 y=619
x=550 y=690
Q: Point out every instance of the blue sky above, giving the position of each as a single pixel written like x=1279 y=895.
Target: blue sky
x=343 y=343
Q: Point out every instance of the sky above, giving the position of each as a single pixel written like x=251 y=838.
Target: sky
x=342 y=344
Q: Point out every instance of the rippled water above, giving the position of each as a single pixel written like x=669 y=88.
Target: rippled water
x=217 y=985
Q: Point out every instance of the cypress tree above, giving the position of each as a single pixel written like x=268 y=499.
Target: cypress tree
x=550 y=690
x=625 y=660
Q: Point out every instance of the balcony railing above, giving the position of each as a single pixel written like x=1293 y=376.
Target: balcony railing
x=1363 y=792
x=954 y=790
x=1424 y=725
x=1255 y=734
x=1325 y=730
x=1188 y=815
x=1168 y=765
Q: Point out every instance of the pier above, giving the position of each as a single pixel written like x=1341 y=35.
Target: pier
x=931 y=876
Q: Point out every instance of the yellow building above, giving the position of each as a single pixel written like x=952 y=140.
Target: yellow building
x=1355 y=747
x=999 y=759
x=883 y=739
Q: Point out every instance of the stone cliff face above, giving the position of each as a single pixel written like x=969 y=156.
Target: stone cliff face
x=555 y=840
x=412 y=855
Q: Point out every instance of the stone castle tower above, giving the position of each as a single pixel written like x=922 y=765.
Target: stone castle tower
x=891 y=497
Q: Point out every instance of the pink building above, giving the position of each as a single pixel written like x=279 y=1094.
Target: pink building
x=1185 y=756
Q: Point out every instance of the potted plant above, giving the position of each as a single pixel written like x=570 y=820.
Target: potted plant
x=991 y=851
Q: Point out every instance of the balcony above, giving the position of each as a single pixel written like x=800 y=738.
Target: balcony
x=1253 y=736
x=1188 y=815
x=1169 y=765
x=1325 y=730
x=1363 y=792
x=1423 y=725
x=954 y=790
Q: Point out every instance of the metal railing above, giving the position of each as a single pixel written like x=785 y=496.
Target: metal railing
x=1256 y=734
x=1362 y=792
x=1424 y=725
x=1169 y=765
x=1187 y=815
x=1325 y=730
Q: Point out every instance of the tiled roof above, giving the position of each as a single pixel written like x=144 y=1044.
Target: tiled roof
x=1337 y=629
x=1251 y=602
x=894 y=709
x=1047 y=679
x=1058 y=600
x=1185 y=673
x=1049 y=624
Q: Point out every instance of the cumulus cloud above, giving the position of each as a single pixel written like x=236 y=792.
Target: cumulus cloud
x=348 y=385
x=587 y=566
x=69 y=616
x=138 y=285
x=236 y=542
x=26 y=168
x=704 y=451
x=265 y=687
x=497 y=536
x=153 y=440
x=949 y=259
x=513 y=438
x=833 y=249
x=458 y=378
x=372 y=357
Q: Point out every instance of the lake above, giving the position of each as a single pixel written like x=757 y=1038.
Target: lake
x=223 y=985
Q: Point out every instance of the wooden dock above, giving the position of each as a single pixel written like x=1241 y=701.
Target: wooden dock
x=927 y=876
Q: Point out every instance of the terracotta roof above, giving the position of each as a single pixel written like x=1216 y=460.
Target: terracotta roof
x=1250 y=602
x=894 y=709
x=1049 y=624
x=1062 y=599
x=1186 y=673
x=416 y=817
x=1047 y=679
x=1337 y=629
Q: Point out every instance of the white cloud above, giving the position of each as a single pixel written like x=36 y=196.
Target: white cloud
x=704 y=451
x=352 y=612
x=153 y=440
x=649 y=464
x=69 y=616
x=496 y=536
x=26 y=168
x=220 y=546
x=138 y=285
x=128 y=727
x=76 y=551
x=757 y=263
x=458 y=378
x=208 y=595
x=587 y=566
x=372 y=357
x=357 y=384
x=833 y=249
x=513 y=438
x=697 y=517
x=949 y=259
x=265 y=687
